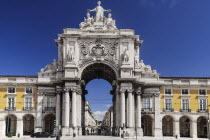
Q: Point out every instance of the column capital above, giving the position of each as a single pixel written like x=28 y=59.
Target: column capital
x=130 y=90
x=156 y=94
x=122 y=90
x=41 y=94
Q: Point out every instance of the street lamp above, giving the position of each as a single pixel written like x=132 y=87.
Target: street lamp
x=208 y=122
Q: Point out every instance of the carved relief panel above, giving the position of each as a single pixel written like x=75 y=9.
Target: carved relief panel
x=98 y=49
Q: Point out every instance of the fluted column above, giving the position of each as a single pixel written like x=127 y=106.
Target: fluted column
x=122 y=111
x=130 y=110
x=74 y=107
x=67 y=109
x=58 y=109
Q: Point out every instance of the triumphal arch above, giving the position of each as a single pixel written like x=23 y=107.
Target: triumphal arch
x=99 y=50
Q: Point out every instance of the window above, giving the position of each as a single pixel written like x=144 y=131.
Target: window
x=202 y=92
x=29 y=90
x=11 y=103
x=146 y=104
x=185 y=104
x=28 y=103
x=11 y=90
x=49 y=101
x=168 y=105
x=168 y=91
x=202 y=105
x=184 y=91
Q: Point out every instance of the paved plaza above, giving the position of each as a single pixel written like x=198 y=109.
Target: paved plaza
x=103 y=138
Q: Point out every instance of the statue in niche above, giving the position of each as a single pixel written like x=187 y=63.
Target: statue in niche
x=99 y=17
x=125 y=56
x=87 y=22
x=110 y=23
x=70 y=56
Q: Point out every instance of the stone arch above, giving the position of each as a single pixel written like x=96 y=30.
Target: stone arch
x=49 y=121
x=185 y=126
x=28 y=124
x=110 y=67
x=147 y=125
x=167 y=125
x=202 y=129
x=11 y=124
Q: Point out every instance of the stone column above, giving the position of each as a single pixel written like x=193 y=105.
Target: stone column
x=138 y=112
x=19 y=127
x=74 y=107
x=117 y=108
x=58 y=109
x=67 y=109
x=79 y=112
x=39 y=109
x=157 y=125
x=63 y=109
x=130 y=110
x=122 y=106
x=193 y=128
x=176 y=128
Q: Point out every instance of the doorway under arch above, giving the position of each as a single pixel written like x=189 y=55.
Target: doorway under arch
x=167 y=126
x=146 y=125
x=49 y=120
x=28 y=124
x=184 y=124
x=11 y=124
x=202 y=127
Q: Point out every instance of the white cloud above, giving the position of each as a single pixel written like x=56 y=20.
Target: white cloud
x=99 y=115
x=108 y=105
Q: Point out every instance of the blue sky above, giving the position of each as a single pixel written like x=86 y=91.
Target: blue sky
x=176 y=35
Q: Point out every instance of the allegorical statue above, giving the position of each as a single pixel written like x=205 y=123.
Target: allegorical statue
x=99 y=17
x=70 y=55
x=87 y=22
x=110 y=23
x=125 y=56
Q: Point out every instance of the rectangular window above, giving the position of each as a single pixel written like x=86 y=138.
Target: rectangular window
x=28 y=103
x=168 y=91
x=49 y=101
x=185 y=104
x=184 y=91
x=11 y=103
x=29 y=90
x=146 y=104
x=11 y=90
x=168 y=105
x=202 y=105
x=202 y=92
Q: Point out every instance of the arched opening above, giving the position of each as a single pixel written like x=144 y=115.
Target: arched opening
x=28 y=124
x=167 y=126
x=184 y=124
x=49 y=123
x=146 y=122
x=202 y=127
x=98 y=82
x=11 y=124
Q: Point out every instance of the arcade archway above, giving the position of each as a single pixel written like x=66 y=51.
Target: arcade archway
x=184 y=124
x=28 y=124
x=167 y=126
x=49 y=123
x=146 y=125
x=202 y=127
x=11 y=124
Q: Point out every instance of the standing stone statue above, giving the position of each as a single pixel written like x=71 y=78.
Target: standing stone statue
x=125 y=56
x=99 y=12
x=71 y=55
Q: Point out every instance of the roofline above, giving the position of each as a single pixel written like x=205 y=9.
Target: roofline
x=184 y=77
x=27 y=76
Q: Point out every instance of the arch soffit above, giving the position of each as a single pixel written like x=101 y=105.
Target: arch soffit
x=171 y=116
x=189 y=117
x=49 y=114
x=205 y=117
x=11 y=115
x=94 y=62
x=28 y=115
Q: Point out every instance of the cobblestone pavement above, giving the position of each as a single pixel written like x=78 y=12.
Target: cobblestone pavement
x=101 y=138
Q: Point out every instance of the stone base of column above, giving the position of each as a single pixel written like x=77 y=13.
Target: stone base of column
x=77 y=131
x=129 y=132
x=66 y=131
x=158 y=132
x=140 y=132
x=38 y=129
